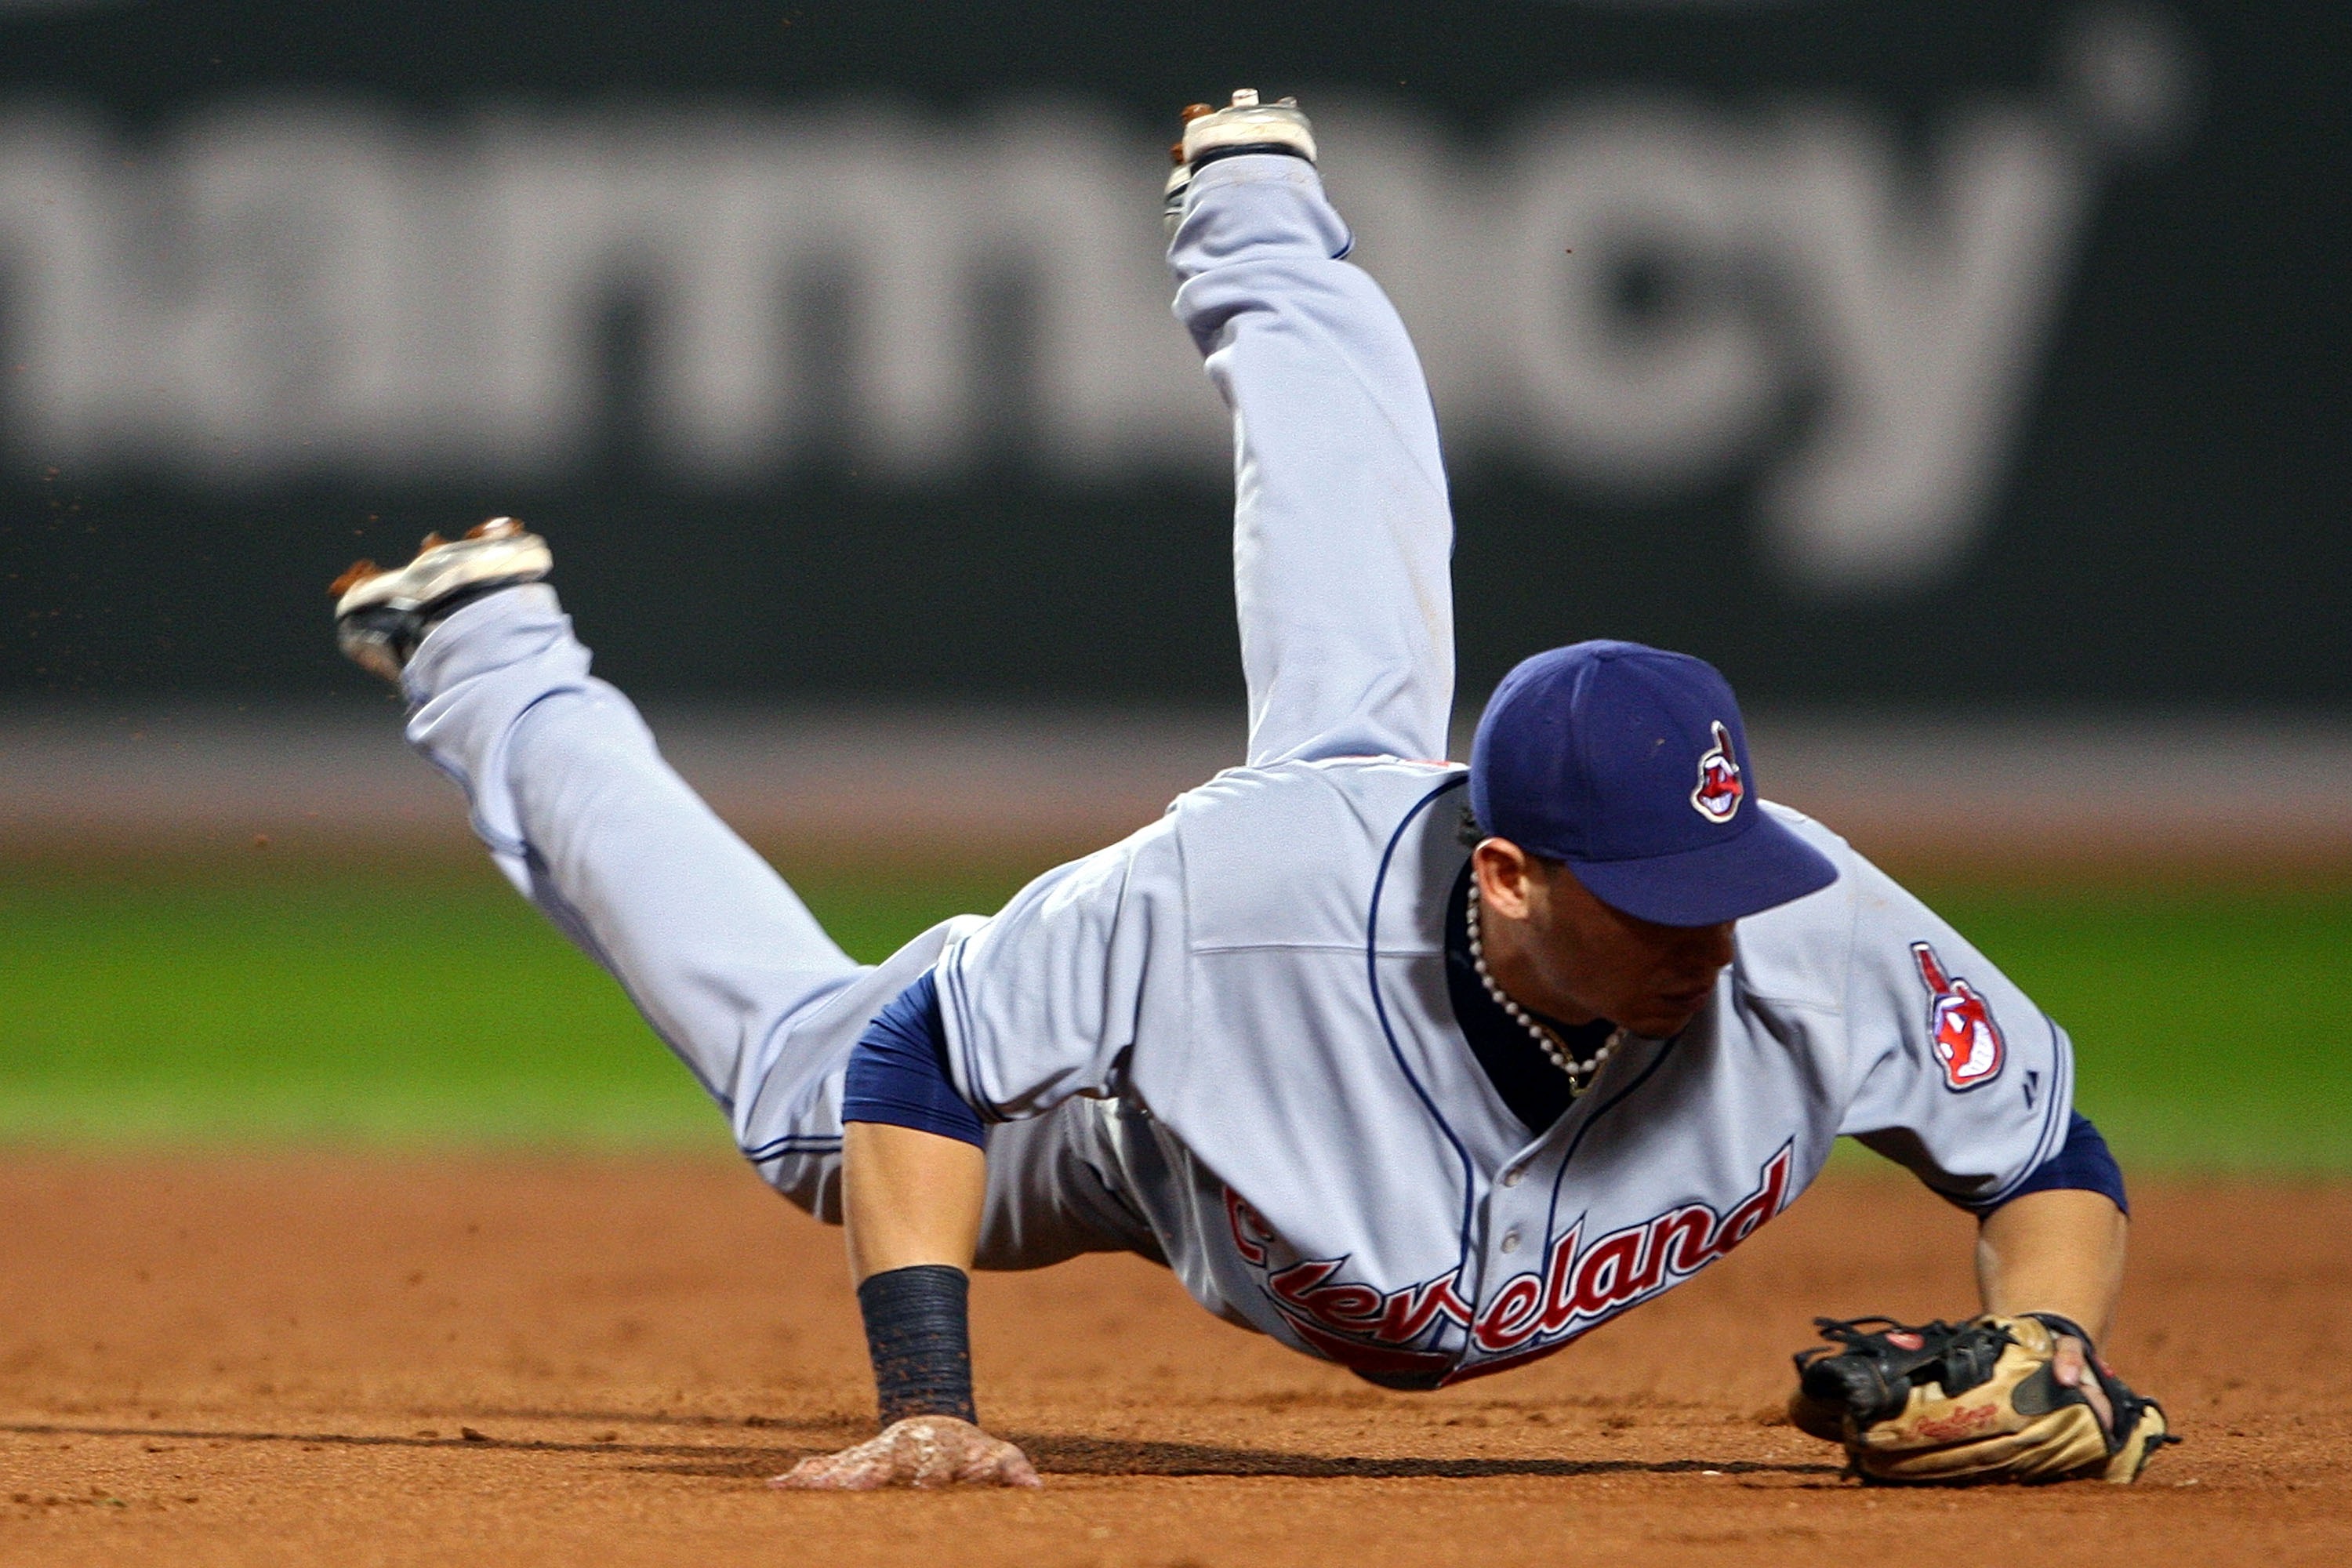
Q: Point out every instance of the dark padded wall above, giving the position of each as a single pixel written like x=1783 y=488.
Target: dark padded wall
x=2163 y=511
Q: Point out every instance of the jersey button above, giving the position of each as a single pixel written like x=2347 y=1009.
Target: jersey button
x=1515 y=1175
x=1510 y=1241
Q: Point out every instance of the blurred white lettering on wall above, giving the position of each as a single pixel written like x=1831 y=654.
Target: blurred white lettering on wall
x=1635 y=293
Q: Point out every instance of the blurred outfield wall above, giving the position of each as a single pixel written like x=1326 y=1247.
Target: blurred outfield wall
x=931 y=792
x=1941 y=356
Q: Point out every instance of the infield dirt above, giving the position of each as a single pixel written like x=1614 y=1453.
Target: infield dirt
x=525 y=1360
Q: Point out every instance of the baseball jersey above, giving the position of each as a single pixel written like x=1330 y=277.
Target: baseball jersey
x=1254 y=991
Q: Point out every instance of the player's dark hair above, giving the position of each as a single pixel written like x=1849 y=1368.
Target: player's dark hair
x=1473 y=835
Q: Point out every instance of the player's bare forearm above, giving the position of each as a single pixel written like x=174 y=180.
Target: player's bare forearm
x=908 y=1198
x=911 y=1203
x=2058 y=1252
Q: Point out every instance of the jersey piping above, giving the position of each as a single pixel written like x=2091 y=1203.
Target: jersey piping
x=1379 y=1010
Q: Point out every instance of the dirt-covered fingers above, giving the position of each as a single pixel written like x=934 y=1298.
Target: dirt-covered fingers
x=919 y=1451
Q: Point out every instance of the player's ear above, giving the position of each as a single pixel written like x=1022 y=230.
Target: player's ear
x=1503 y=870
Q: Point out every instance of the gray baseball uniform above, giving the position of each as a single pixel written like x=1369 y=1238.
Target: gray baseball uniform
x=1227 y=1042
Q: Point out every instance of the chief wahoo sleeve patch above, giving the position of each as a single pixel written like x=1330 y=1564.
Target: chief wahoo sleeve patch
x=1968 y=1041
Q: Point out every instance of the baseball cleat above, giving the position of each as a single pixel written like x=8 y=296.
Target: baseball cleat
x=381 y=615
x=1245 y=125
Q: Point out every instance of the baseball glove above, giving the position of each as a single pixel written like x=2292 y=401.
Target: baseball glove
x=1977 y=1400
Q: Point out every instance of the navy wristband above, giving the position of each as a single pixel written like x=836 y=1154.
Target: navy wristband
x=918 y=1333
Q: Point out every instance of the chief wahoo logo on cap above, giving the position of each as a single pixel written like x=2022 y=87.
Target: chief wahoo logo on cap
x=1717 y=795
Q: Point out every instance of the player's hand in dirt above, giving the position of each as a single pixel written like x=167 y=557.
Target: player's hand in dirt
x=919 y=1451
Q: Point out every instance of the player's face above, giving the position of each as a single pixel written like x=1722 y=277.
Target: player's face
x=1650 y=978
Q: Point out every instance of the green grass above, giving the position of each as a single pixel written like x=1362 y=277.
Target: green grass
x=136 y=1008
x=2210 y=1027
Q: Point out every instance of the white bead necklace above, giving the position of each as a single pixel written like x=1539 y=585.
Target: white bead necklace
x=1579 y=1073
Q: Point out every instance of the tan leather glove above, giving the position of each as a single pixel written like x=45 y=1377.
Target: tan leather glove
x=1977 y=1401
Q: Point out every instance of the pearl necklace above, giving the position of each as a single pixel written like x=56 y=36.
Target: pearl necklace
x=1579 y=1073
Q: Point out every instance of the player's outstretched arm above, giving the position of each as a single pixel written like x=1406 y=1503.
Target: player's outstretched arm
x=911 y=1203
x=1968 y=1084
x=2058 y=1252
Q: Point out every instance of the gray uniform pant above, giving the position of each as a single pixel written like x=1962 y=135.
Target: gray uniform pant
x=1341 y=540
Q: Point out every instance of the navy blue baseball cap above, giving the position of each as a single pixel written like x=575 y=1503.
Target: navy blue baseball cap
x=1631 y=765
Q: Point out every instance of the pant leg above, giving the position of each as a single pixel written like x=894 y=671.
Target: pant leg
x=581 y=814
x=1342 y=534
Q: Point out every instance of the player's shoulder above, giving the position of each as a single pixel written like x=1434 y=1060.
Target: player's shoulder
x=1326 y=778
x=1292 y=854
x=1817 y=834
x=1801 y=953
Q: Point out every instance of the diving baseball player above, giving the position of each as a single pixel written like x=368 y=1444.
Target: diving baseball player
x=1424 y=1069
